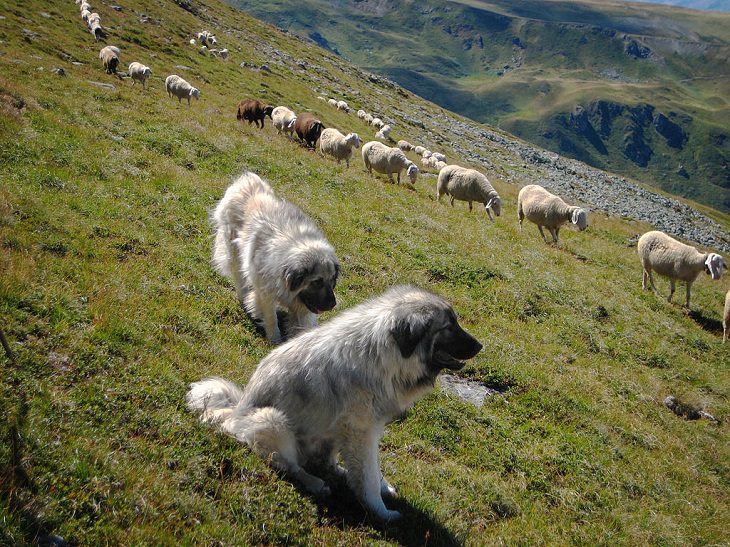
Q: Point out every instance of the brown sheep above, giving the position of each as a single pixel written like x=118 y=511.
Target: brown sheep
x=253 y=110
x=308 y=128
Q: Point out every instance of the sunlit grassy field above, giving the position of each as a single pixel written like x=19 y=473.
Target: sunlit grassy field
x=111 y=308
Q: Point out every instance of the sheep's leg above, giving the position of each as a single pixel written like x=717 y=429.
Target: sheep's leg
x=470 y=206
x=689 y=288
x=451 y=200
x=542 y=233
x=671 y=290
x=554 y=232
x=644 y=280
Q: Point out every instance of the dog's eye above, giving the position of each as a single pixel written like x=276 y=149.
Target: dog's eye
x=317 y=283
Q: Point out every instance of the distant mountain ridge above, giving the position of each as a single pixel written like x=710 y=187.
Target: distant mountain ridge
x=708 y=5
x=637 y=89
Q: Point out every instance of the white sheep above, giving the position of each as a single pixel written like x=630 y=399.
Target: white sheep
x=419 y=150
x=670 y=258
x=85 y=6
x=332 y=102
x=139 y=73
x=368 y=118
x=388 y=160
x=361 y=114
x=377 y=122
x=548 y=210
x=439 y=165
x=178 y=87
x=222 y=53
x=468 y=185
x=726 y=319
x=383 y=133
x=342 y=105
x=320 y=98
x=85 y=15
x=283 y=119
x=192 y=41
x=337 y=145
x=438 y=156
x=429 y=162
x=405 y=146
x=93 y=18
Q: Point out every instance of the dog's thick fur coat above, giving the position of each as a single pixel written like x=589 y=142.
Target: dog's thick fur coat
x=331 y=390
x=275 y=255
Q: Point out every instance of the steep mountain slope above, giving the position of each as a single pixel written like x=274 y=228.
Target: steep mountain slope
x=632 y=88
x=111 y=308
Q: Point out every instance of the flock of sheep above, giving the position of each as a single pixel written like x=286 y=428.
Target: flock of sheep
x=658 y=252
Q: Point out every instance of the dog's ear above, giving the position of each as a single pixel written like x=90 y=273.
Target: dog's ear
x=295 y=277
x=408 y=332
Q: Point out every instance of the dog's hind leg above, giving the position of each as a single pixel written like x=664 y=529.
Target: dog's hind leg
x=267 y=432
x=360 y=452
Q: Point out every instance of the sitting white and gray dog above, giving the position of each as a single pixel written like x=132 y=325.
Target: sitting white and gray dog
x=330 y=391
x=275 y=255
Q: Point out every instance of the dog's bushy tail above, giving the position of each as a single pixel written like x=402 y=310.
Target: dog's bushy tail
x=214 y=399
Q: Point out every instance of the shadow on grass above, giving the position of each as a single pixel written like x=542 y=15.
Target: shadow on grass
x=17 y=489
x=415 y=527
x=710 y=324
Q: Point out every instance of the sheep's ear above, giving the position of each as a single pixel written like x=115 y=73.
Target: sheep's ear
x=488 y=205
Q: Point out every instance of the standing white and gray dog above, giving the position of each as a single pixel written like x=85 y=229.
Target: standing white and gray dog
x=275 y=255
x=330 y=391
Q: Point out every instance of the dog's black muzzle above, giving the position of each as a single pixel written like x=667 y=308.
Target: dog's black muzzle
x=453 y=346
x=318 y=300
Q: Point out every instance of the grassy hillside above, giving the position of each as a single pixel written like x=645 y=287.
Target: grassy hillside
x=111 y=309
x=525 y=66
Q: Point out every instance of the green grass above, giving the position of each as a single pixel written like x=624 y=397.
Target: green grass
x=111 y=307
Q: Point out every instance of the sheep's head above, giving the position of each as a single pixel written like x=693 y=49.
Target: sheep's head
x=493 y=204
x=195 y=92
x=268 y=110
x=714 y=264
x=147 y=72
x=412 y=172
x=354 y=139
x=580 y=218
x=292 y=123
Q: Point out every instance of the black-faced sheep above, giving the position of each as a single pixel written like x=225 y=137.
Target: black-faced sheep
x=468 y=185
x=109 y=56
x=337 y=145
x=670 y=258
x=178 y=87
x=253 y=111
x=386 y=160
x=308 y=128
x=548 y=210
